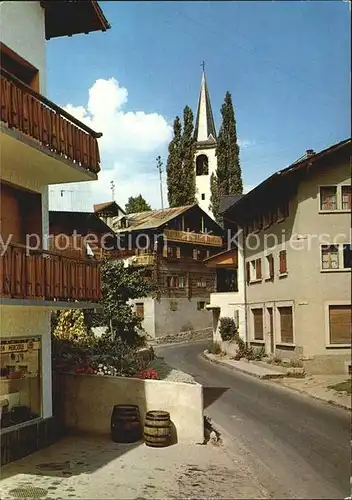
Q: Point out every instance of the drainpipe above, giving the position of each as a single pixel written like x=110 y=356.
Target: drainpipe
x=245 y=288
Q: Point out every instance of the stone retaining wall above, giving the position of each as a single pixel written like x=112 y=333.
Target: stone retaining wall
x=204 y=334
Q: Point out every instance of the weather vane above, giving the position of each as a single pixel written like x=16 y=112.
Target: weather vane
x=112 y=184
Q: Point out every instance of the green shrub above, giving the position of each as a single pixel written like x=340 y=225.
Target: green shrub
x=295 y=363
x=214 y=348
x=228 y=329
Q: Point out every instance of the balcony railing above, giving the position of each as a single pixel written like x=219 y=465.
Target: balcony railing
x=143 y=260
x=32 y=114
x=189 y=237
x=40 y=274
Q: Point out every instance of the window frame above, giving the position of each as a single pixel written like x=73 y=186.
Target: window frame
x=340 y=253
x=253 y=333
x=280 y=305
x=339 y=200
x=327 y=305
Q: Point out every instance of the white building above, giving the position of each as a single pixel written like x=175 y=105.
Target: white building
x=205 y=158
x=41 y=145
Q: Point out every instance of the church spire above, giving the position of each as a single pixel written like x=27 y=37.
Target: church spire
x=204 y=130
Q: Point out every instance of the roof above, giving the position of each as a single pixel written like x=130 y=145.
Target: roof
x=70 y=17
x=152 y=218
x=228 y=201
x=101 y=207
x=79 y=221
x=299 y=165
x=209 y=135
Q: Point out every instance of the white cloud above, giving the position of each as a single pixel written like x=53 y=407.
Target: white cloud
x=130 y=143
x=245 y=143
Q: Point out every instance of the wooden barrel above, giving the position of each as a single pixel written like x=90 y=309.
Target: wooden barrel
x=157 y=429
x=125 y=424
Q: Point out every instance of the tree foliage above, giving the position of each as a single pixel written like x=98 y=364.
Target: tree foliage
x=119 y=285
x=137 y=204
x=180 y=163
x=228 y=176
x=71 y=325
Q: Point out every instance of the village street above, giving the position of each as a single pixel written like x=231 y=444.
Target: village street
x=297 y=447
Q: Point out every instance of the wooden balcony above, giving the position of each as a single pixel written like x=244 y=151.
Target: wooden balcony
x=42 y=124
x=44 y=275
x=143 y=260
x=195 y=238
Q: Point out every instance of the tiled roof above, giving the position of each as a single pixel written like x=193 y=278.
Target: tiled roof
x=100 y=207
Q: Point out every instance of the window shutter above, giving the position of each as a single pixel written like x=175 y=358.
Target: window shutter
x=340 y=324
x=178 y=252
x=258 y=269
x=286 y=324
x=165 y=252
x=248 y=272
x=258 y=324
x=271 y=266
x=283 y=266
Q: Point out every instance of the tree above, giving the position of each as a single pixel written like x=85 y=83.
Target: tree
x=173 y=166
x=188 y=147
x=119 y=285
x=228 y=176
x=137 y=204
x=71 y=326
x=180 y=162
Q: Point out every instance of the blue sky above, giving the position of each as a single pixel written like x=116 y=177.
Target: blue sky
x=286 y=65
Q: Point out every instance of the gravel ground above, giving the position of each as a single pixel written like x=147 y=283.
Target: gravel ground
x=166 y=372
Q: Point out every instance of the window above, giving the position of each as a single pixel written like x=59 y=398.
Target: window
x=202 y=167
x=347 y=256
x=226 y=280
x=201 y=305
x=328 y=198
x=175 y=282
x=340 y=324
x=140 y=310
x=248 y=272
x=19 y=67
x=199 y=254
x=258 y=269
x=203 y=196
x=283 y=262
x=173 y=252
x=253 y=274
x=286 y=324
x=201 y=282
x=330 y=256
x=258 y=328
x=270 y=266
x=346 y=197
x=20 y=397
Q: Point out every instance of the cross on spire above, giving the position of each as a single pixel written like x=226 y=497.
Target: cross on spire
x=203 y=65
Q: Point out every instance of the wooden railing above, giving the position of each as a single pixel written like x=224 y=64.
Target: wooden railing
x=23 y=109
x=189 y=237
x=143 y=260
x=40 y=274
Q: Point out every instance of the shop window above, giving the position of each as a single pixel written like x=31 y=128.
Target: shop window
x=20 y=380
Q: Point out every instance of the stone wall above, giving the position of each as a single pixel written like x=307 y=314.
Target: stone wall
x=203 y=334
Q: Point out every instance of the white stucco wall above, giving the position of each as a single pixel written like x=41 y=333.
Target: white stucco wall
x=18 y=321
x=203 y=181
x=88 y=400
x=22 y=28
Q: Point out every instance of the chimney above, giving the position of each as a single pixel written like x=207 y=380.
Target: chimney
x=310 y=152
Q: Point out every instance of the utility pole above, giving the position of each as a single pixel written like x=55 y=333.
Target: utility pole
x=159 y=166
x=112 y=184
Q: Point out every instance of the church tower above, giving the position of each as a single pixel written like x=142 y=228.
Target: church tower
x=205 y=135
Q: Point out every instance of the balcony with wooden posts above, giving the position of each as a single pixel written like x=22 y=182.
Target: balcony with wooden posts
x=194 y=238
x=40 y=275
x=41 y=140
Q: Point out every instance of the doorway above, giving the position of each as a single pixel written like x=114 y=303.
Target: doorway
x=270 y=330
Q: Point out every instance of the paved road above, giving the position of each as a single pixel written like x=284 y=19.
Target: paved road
x=297 y=447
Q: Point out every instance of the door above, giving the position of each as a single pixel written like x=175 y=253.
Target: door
x=270 y=330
